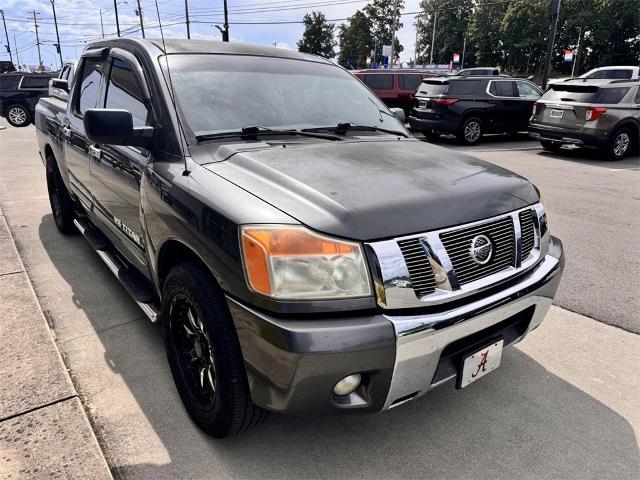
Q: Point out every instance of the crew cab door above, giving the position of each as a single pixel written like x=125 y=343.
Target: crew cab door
x=505 y=110
x=116 y=170
x=85 y=95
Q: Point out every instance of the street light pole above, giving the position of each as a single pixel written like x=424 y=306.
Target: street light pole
x=55 y=21
x=101 y=24
x=16 y=45
x=225 y=33
x=115 y=6
x=433 y=35
x=393 y=33
x=553 y=25
x=7 y=35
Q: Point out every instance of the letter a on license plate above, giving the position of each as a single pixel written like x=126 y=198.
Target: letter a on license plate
x=480 y=363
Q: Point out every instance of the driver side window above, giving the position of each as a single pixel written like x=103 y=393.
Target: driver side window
x=89 y=88
x=124 y=92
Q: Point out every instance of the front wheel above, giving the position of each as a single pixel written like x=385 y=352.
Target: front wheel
x=18 y=115
x=61 y=203
x=620 y=145
x=471 y=131
x=204 y=353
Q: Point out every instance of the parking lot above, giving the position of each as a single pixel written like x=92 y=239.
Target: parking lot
x=564 y=403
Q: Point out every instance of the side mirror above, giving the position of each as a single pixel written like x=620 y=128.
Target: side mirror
x=399 y=113
x=114 y=126
x=59 y=88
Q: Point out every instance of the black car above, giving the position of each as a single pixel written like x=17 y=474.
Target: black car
x=19 y=94
x=309 y=256
x=469 y=107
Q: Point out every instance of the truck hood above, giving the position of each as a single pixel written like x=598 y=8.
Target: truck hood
x=369 y=190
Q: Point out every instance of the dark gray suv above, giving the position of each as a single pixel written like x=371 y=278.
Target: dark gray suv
x=603 y=114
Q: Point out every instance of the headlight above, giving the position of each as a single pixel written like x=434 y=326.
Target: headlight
x=294 y=263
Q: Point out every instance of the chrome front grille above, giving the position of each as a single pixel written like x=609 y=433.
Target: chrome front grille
x=438 y=266
x=457 y=243
x=527 y=233
x=420 y=271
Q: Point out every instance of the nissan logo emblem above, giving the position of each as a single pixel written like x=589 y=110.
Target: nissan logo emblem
x=481 y=249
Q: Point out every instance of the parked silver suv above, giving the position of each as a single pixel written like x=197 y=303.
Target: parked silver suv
x=603 y=114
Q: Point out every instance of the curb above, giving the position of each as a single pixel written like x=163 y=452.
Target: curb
x=44 y=430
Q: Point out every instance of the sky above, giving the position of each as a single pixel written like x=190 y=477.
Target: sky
x=79 y=21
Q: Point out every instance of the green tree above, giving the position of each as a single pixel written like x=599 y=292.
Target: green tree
x=382 y=14
x=452 y=19
x=484 y=34
x=318 y=36
x=525 y=27
x=355 y=40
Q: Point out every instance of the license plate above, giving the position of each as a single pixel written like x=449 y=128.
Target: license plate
x=422 y=104
x=556 y=113
x=478 y=364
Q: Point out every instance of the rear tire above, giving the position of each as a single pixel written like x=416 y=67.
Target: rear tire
x=550 y=146
x=62 y=206
x=204 y=353
x=471 y=131
x=621 y=144
x=17 y=115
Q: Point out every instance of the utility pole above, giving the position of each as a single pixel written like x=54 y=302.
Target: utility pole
x=115 y=6
x=16 y=45
x=553 y=25
x=393 y=33
x=139 y=13
x=433 y=35
x=225 y=34
x=101 y=24
x=35 y=23
x=415 y=48
x=55 y=20
x=7 y=35
x=464 y=47
x=186 y=13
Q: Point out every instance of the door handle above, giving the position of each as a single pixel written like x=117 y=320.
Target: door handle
x=66 y=131
x=95 y=152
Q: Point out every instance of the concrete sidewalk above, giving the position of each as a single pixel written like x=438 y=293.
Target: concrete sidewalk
x=44 y=431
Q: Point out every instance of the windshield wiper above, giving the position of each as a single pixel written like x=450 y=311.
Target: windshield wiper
x=255 y=131
x=345 y=127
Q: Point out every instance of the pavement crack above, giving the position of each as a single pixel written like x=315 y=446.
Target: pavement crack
x=11 y=273
x=39 y=407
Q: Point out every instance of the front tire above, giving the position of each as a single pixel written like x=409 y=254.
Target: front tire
x=471 y=131
x=430 y=135
x=620 y=145
x=17 y=115
x=61 y=203
x=204 y=353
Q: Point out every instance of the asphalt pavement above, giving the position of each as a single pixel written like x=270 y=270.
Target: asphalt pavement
x=563 y=404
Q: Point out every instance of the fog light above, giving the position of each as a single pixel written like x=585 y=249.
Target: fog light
x=347 y=384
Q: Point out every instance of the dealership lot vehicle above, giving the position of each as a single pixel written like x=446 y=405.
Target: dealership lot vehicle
x=613 y=73
x=602 y=114
x=469 y=107
x=396 y=88
x=19 y=94
x=280 y=285
x=478 y=72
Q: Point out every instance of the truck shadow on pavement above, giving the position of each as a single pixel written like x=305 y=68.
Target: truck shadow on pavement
x=519 y=422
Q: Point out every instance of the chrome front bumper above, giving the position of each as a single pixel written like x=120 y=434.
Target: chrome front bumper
x=421 y=339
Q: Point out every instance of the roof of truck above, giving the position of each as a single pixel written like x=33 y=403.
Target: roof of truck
x=182 y=46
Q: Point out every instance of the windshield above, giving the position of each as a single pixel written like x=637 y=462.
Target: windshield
x=585 y=94
x=222 y=93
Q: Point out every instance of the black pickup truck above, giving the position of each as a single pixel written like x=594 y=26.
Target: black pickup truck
x=303 y=253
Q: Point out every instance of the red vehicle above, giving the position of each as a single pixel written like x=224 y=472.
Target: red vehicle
x=396 y=88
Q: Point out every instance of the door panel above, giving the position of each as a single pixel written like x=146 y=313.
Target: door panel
x=116 y=171
x=506 y=111
x=527 y=95
x=76 y=148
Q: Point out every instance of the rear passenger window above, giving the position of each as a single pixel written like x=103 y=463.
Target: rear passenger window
x=463 y=87
x=379 y=81
x=123 y=91
x=502 y=89
x=409 y=81
x=35 y=83
x=526 y=90
x=89 y=88
x=9 y=82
